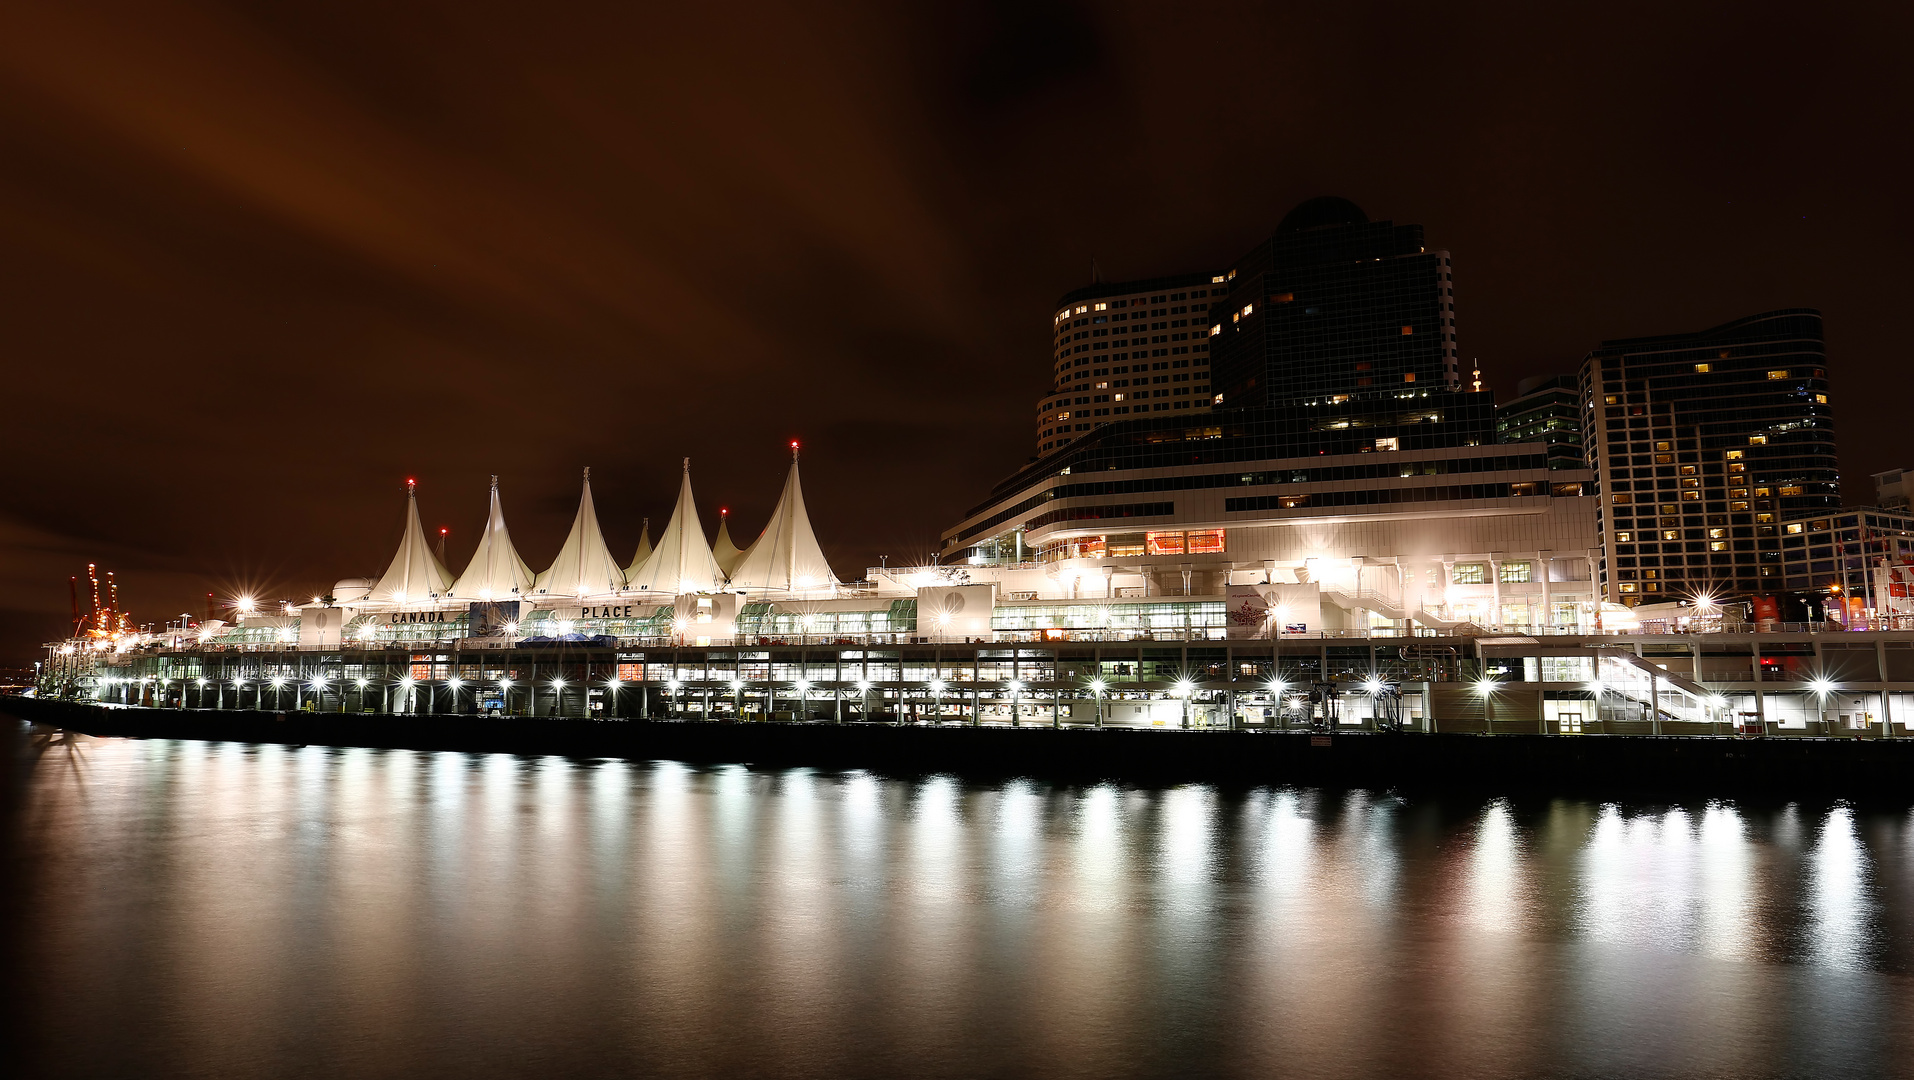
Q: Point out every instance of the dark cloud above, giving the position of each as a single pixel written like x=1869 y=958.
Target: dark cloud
x=259 y=263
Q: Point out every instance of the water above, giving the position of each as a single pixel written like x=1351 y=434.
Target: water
x=194 y=909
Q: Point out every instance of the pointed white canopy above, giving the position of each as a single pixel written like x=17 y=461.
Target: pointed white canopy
x=682 y=561
x=584 y=566
x=496 y=572
x=722 y=549
x=415 y=574
x=644 y=550
x=786 y=556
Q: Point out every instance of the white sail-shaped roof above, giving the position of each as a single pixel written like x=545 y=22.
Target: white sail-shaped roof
x=644 y=550
x=722 y=549
x=786 y=556
x=584 y=566
x=496 y=572
x=682 y=561
x=415 y=574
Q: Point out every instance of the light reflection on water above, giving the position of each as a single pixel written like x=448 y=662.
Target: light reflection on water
x=228 y=910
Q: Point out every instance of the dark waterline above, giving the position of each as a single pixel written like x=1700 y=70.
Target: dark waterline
x=207 y=909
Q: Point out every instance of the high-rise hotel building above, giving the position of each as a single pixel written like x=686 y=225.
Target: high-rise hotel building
x=1705 y=446
x=1124 y=348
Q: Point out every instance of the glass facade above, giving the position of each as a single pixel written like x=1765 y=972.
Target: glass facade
x=1702 y=445
x=1547 y=410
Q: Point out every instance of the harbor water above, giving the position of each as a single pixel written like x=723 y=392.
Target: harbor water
x=201 y=909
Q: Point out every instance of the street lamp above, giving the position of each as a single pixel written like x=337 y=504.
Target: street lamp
x=1182 y=690
x=937 y=695
x=505 y=696
x=1097 y=686
x=804 y=698
x=558 y=698
x=1485 y=686
x=1822 y=687
x=1016 y=691
x=864 y=699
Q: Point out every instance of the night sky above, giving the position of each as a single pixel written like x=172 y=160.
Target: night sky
x=263 y=262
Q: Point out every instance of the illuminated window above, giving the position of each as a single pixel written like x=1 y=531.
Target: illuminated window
x=1528 y=488
x=1081 y=309
x=1717 y=545
x=1765 y=519
x=1664 y=459
x=1690 y=496
x=1818 y=526
x=1737 y=466
x=1624 y=537
x=1716 y=534
x=1733 y=455
x=1704 y=367
x=1338 y=399
x=1791 y=489
x=1737 y=493
x=1206 y=542
x=1664 y=446
x=1821 y=398
x=1163 y=543
x=1757 y=440
x=1688 y=470
x=1690 y=481
x=1103 y=307
x=1794 y=526
x=1612 y=399
x=1621 y=500
x=1671 y=534
x=1782 y=374
x=1516 y=573
x=1407 y=330
x=1764 y=493
x=1653 y=586
x=1628 y=586
x=1467 y=574
x=1386 y=444
x=1670 y=508
x=1738 y=506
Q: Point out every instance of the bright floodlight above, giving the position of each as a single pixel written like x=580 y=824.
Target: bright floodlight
x=559 y=684
x=804 y=686
x=671 y=683
x=1821 y=686
x=406 y=682
x=1485 y=686
x=511 y=628
x=1183 y=687
x=612 y=685
x=863 y=685
x=937 y=686
x=202 y=682
x=1016 y=685
x=361 y=682
x=1097 y=685
x=319 y=682
x=1277 y=686
x=505 y=684
x=1717 y=701
x=454 y=682
x=1373 y=686
x=278 y=682
x=737 y=684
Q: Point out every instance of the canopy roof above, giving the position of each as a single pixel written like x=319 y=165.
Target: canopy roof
x=786 y=556
x=496 y=572
x=682 y=562
x=644 y=549
x=584 y=566
x=415 y=574
x=722 y=549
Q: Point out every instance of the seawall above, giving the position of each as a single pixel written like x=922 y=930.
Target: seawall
x=1599 y=765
